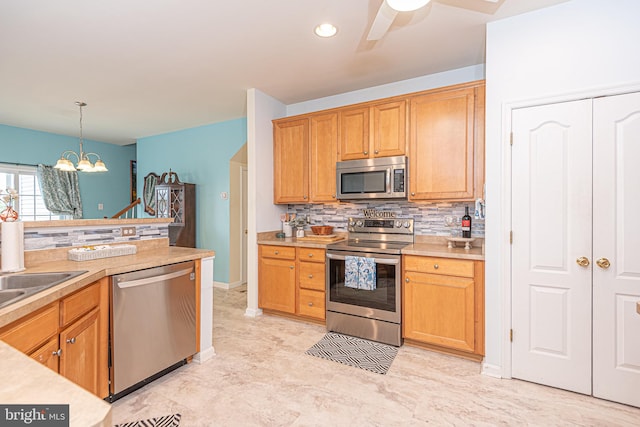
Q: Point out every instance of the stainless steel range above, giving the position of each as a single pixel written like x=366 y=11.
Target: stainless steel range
x=364 y=279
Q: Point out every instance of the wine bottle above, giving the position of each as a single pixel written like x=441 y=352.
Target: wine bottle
x=466 y=223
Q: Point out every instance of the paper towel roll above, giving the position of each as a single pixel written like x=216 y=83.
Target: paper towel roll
x=12 y=242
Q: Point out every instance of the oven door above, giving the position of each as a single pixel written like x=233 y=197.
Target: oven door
x=381 y=303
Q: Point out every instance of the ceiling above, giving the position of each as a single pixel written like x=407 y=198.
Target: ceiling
x=150 y=67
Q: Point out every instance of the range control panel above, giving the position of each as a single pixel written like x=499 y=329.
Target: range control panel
x=375 y=225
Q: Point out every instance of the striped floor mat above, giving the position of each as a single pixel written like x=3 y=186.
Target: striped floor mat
x=167 y=421
x=348 y=350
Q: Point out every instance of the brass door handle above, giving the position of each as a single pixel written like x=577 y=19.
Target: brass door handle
x=603 y=263
x=583 y=261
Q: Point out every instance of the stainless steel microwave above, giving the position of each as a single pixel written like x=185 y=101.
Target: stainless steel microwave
x=379 y=178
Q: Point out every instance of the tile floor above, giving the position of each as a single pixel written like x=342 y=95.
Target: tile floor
x=261 y=376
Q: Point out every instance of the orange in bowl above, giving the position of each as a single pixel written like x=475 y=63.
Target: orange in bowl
x=322 y=230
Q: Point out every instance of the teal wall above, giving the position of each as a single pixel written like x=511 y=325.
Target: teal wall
x=112 y=188
x=199 y=156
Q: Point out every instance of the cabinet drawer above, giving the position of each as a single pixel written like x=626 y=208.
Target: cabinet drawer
x=311 y=255
x=312 y=276
x=74 y=306
x=29 y=333
x=278 y=252
x=445 y=266
x=311 y=303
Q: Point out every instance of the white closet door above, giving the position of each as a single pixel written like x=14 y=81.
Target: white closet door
x=616 y=237
x=551 y=220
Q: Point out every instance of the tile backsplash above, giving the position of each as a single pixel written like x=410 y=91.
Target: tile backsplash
x=428 y=217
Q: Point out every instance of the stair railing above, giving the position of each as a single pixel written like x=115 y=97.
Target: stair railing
x=129 y=211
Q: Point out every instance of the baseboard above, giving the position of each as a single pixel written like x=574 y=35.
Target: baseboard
x=205 y=355
x=227 y=286
x=491 y=370
x=253 y=312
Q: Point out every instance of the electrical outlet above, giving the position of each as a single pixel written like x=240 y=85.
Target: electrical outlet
x=128 y=231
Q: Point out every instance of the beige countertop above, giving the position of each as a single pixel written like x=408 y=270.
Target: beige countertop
x=153 y=256
x=25 y=381
x=424 y=246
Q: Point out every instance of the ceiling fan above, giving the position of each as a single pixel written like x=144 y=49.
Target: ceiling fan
x=389 y=9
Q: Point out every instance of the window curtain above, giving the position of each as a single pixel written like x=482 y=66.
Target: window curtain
x=60 y=191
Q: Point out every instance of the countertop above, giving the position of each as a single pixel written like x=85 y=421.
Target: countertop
x=96 y=269
x=25 y=381
x=424 y=246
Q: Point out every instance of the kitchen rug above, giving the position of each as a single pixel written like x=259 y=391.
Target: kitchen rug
x=352 y=351
x=166 y=421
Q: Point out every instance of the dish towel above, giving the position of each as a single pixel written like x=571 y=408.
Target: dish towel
x=351 y=272
x=360 y=273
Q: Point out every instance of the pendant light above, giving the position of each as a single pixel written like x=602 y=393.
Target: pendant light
x=83 y=163
x=407 y=5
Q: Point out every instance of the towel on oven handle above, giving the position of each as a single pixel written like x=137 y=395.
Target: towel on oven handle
x=360 y=273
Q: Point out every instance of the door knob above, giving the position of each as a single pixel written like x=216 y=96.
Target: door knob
x=583 y=261
x=603 y=263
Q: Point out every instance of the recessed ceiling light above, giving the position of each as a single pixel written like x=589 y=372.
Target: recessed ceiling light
x=326 y=30
x=406 y=5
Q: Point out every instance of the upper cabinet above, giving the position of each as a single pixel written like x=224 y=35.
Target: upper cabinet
x=305 y=153
x=446 y=144
x=441 y=131
x=378 y=130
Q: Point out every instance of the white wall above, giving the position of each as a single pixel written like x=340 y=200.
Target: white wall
x=575 y=48
x=263 y=215
x=461 y=75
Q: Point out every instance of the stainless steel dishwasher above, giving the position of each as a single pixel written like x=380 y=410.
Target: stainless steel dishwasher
x=153 y=324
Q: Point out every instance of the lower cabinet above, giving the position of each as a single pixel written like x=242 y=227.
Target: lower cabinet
x=443 y=304
x=291 y=281
x=69 y=336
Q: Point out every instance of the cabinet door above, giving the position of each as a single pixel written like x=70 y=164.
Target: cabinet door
x=389 y=129
x=354 y=134
x=276 y=288
x=442 y=146
x=48 y=354
x=323 y=155
x=30 y=332
x=79 y=360
x=439 y=310
x=291 y=161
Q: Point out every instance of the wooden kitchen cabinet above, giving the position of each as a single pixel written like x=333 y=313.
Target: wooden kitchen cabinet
x=443 y=304
x=311 y=282
x=277 y=278
x=291 y=161
x=291 y=281
x=323 y=157
x=446 y=144
x=305 y=154
x=378 y=130
x=70 y=336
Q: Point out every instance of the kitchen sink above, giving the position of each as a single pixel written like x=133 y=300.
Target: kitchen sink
x=15 y=287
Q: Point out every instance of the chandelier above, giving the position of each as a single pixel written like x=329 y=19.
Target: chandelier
x=83 y=163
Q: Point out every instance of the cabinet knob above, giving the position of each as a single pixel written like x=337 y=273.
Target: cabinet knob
x=311 y=276
x=72 y=340
x=406 y=280
x=291 y=267
x=310 y=304
x=603 y=263
x=436 y=266
x=375 y=152
x=304 y=197
x=333 y=196
x=310 y=255
x=57 y=353
x=583 y=261
x=413 y=194
x=276 y=252
x=365 y=153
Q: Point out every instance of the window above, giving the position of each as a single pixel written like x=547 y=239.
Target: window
x=25 y=181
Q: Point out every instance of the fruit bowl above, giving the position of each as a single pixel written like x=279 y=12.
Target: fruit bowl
x=322 y=230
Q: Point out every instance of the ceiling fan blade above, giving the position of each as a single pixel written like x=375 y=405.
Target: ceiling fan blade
x=381 y=23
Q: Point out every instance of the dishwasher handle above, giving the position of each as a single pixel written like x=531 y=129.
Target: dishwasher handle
x=153 y=279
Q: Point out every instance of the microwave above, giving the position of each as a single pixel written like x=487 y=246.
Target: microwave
x=379 y=178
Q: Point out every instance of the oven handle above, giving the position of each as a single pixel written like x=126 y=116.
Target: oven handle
x=388 y=261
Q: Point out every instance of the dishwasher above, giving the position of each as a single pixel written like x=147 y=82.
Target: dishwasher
x=153 y=325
